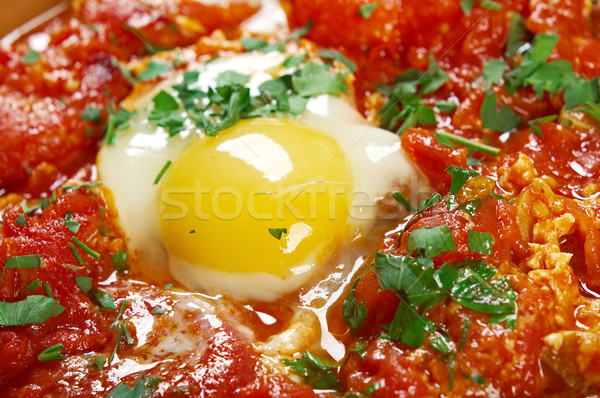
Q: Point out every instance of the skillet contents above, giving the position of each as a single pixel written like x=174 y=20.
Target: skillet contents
x=313 y=198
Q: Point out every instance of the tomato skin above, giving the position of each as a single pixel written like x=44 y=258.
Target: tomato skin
x=433 y=159
x=135 y=24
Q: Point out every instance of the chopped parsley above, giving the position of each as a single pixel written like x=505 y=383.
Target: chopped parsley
x=480 y=242
x=77 y=256
x=84 y=283
x=72 y=226
x=338 y=56
x=403 y=201
x=221 y=106
x=320 y=372
x=98 y=362
x=500 y=119
x=366 y=10
x=33 y=309
x=53 y=353
x=155 y=69
x=34 y=285
x=534 y=124
x=407 y=90
x=103 y=299
x=516 y=35
x=471 y=145
x=33 y=261
x=354 y=313
x=30 y=57
x=294 y=61
x=21 y=220
x=120 y=314
x=277 y=233
x=92 y=114
x=162 y=172
x=491 y=5
x=119 y=261
x=493 y=72
x=85 y=249
x=82 y=186
x=144 y=387
x=117 y=122
x=251 y=43
x=430 y=241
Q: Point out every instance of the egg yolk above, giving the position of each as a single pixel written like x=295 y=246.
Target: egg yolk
x=225 y=197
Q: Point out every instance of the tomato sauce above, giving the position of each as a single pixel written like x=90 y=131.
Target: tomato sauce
x=545 y=229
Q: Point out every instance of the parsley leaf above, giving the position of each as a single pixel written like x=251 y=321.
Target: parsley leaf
x=21 y=220
x=103 y=299
x=31 y=57
x=72 y=226
x=491 y=5
x=33 y=261
x=480 y=242
x=98 y=362
x=366 y=10
x=319 y=371
x=406 y=90
x=53 y=353
x=516 y=35
x=474 y=290
x=34 y=309
x=120 y=262
x=117 y=121
x=413 y=276
x=251 y=43
x=294 y=61
x=592 y=110
x=431 y=241
x=354 y=313
x=277 y=233
x=492 y=72
x=300 y=32
x=92 y=114
x=143 y=388
x=500 y=120
x=155 y=69
x=459 y=177
x=409 y=327
x=338 y=56
x=84 y=283
x=580 y=92
x=534 y=124
x=313 y=79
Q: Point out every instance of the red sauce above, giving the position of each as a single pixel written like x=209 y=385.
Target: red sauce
x=44 y=140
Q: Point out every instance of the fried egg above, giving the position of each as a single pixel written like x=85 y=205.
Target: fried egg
x=256 y=211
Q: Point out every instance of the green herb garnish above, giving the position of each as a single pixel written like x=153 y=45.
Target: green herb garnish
x=53 y=353
x=34 y=309
x=30 y=57
x=319 y=371
x=277 y=233
x=366 y=10
x=84 y=283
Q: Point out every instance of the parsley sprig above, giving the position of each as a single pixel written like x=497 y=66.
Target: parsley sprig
x=406 y=91
x=221 y=106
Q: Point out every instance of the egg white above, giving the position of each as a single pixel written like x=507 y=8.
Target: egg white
x=129 y=168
